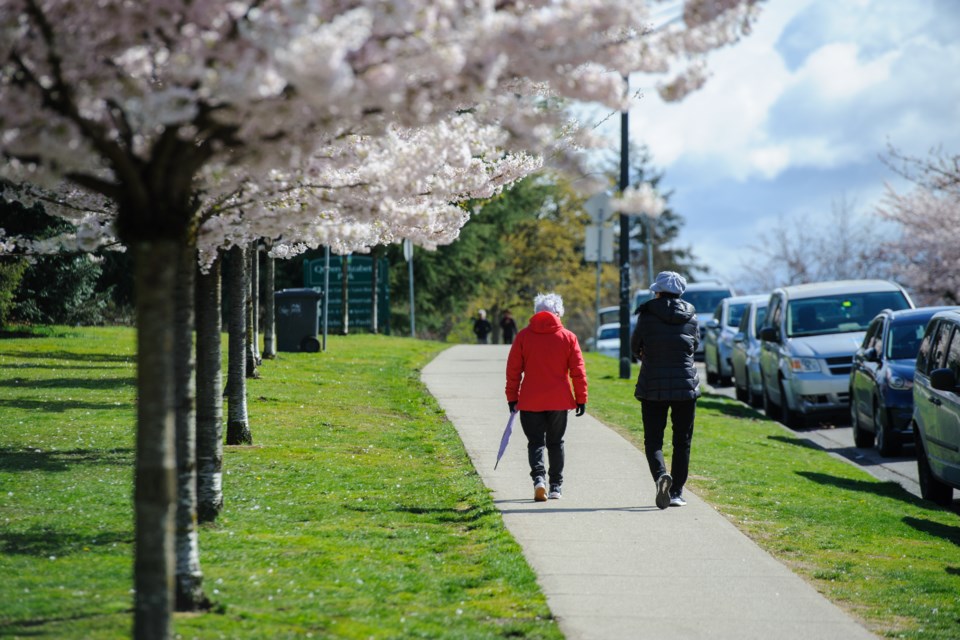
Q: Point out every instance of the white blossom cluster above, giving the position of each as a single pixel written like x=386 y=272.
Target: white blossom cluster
x=642 y=199
x=308 y=122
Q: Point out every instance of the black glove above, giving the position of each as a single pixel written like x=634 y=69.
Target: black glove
x=580 y=409
x=513 y=406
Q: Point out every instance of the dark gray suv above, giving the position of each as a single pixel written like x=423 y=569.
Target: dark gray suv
x=936 y=408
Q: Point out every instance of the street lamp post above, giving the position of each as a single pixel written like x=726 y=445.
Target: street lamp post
x=624 y=244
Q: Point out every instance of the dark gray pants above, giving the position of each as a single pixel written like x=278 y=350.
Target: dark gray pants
x=654 y=414
x=544 y=430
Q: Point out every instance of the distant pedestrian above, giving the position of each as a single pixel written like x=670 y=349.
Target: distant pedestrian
x=482 y=327
x=508 y=326
x=664 y=341
x=544 y=360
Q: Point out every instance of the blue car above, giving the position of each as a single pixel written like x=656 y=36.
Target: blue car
x=881 y=380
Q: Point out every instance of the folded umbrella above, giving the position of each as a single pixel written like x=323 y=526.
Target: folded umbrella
x=505 y=438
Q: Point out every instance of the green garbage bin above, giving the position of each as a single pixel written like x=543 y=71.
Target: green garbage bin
x=298 y=313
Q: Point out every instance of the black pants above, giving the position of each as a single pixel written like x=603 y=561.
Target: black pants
x=654 y=415
x=544 y=430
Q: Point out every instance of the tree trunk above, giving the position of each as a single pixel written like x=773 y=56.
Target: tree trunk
x=269 y=324
x=155 y=476
x=209 y=397
x=345 y=296
x=495 y=323
x=238 y=429
x=189 y=578
x=253 y=312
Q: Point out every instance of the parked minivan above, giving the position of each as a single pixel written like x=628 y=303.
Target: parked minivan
x=808 y=339
x=936 y=408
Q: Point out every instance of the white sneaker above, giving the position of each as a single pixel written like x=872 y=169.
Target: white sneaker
x=539 y=490
x=677 y=501
x=663 y=490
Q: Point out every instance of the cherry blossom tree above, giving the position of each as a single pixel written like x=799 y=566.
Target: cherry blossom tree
x=925 y=256
x=158 y=106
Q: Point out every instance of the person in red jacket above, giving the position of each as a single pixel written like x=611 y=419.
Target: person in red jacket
x=544 y=360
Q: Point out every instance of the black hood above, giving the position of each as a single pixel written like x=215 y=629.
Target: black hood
x=669 y=310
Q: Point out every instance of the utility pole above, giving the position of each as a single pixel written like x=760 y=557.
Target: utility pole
x=625 y=242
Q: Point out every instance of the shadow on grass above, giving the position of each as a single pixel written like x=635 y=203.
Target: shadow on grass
x=34 y=628
x=45 y=542
x=68 y=355
x=105 y=384
x=59 y=406
x=947 y=532
x=438 y=514
x=852 y=453
x=878 y=488
x=37 y=460
x=800 y=442
x=727 y=407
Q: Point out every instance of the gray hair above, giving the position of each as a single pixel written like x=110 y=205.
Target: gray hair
x=551 y=302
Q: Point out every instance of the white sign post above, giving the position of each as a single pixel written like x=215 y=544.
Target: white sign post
x=598 y=245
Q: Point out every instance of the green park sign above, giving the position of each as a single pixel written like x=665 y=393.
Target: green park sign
x=359 y=294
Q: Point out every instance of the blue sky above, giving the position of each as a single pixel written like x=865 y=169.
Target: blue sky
x=796 y=116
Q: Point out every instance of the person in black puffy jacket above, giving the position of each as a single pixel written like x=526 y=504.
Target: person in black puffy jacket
x=664 y=341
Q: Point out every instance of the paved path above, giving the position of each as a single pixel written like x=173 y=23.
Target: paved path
x=611 y=564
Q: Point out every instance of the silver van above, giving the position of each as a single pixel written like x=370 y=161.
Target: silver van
x=936 y=408
x=808 y=339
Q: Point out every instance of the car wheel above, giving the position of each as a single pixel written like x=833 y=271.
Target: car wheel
x=756 y=400
x=769 y=407
x=719 y=375
x=743 y=395
x=789 y=417
x=725 y=381
x=712 y=376
x=887 y=443
x=930 y=488
x=862 y=438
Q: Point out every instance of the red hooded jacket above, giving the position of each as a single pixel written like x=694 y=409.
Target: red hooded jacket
x=543 y=361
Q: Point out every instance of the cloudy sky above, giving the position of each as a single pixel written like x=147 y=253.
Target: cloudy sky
x=795 y=117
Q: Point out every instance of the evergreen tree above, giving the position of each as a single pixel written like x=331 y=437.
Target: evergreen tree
x=54 y=289
x=667 y=255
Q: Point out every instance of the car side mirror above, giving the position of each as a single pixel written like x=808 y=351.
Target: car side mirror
x=770 y=334
x=713 y=323
x=943 y=380
x=739 y=337
x=871 y=355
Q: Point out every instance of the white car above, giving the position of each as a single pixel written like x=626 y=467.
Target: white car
x=608 y=340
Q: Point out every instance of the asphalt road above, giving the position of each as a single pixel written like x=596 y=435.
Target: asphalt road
x=837 y=439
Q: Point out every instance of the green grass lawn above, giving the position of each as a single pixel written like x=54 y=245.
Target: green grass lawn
x=355 y=514
x=888 y=557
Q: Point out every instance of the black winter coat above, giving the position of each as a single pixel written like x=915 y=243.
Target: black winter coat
x=664 y=341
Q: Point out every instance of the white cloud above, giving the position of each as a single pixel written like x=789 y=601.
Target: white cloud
x=798 y=114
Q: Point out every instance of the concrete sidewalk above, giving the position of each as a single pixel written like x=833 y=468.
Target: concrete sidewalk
x=611 y=564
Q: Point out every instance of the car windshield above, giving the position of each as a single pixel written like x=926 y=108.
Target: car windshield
x=736 y=313
x=904 y=340
x=609 y=333
x=839 y=314
x=706 y=301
